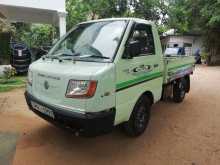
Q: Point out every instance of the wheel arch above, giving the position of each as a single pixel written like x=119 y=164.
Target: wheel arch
x=150 y=95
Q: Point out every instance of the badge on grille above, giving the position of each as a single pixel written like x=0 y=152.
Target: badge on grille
x=46 y=85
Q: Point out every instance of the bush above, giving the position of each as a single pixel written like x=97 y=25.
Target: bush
x=9 y=73
x=204 y=56
x=34 y=35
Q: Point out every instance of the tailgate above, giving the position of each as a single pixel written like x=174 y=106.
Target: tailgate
x=176 y=67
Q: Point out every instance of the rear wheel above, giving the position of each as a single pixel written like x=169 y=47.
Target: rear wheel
x=139 y=118
x=179 y=90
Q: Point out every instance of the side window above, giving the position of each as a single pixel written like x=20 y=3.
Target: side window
x=143 y=34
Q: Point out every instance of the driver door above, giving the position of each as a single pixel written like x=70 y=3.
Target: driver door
x=138 y=74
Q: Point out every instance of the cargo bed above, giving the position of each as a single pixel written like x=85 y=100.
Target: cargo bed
x=177 y=66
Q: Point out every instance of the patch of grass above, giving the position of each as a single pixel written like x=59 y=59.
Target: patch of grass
x=17 y=82
x=8 y=88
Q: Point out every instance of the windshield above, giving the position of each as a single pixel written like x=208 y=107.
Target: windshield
x=91 y=41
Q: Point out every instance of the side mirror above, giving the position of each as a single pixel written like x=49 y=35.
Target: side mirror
x=133 y=48
x=54 y=41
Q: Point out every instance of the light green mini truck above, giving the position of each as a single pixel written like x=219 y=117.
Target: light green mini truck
x=105 y=73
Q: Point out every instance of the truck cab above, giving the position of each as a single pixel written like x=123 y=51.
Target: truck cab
x=105 y=73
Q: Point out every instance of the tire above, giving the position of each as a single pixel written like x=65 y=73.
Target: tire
x=139 y=118
x=187 y=78
x=179 y=90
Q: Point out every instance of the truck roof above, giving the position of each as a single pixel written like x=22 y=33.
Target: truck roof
x=123 y=18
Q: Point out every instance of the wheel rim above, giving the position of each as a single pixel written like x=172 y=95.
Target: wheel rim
x=141 y=118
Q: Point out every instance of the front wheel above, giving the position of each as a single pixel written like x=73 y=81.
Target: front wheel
x=179 y=90
x=139 y=118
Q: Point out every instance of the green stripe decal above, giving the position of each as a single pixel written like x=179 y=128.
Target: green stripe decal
x=138 y=80
x=178 y=67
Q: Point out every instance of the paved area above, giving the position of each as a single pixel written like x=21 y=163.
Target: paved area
x=7 y=147
x=178 y=134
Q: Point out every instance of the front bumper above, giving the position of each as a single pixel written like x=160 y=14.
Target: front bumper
x=88 y=124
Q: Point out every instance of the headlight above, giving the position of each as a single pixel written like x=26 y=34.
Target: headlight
x=30 y=77
x=81 y=89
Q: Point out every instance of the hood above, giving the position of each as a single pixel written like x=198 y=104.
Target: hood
x=57 y=75
x=78 y=70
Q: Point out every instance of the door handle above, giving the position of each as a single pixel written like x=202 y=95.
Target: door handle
x=156 y=65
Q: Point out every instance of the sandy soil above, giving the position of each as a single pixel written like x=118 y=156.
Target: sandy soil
x=178 y=134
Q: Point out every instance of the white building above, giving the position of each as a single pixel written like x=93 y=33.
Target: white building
x=191 y=42
x=35 y=11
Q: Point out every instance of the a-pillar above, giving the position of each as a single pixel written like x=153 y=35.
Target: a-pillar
x=62 y=23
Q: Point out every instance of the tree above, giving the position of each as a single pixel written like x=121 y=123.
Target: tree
x=198 y=16
x=146 y=9
x=77 y=12
x=6 y=27
x=82 y=10
x=177 y=13
x=42 y=35
x=34 y=35
x=210 y=25
x=6 y=30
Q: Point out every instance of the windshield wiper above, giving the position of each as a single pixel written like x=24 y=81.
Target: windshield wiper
x=66 y=54
x=101 y=57
x=62 y=56
x=50 y=57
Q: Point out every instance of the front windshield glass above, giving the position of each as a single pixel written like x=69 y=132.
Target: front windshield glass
x=91 y=41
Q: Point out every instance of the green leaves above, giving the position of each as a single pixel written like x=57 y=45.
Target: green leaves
x=199 y=16
x=83 y=10
x=9 y=72
x=34 y=35
x=41 y=34
x=194 y=15
x=5 y=27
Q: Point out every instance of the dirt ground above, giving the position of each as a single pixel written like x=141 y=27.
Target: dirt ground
x=178 y=134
